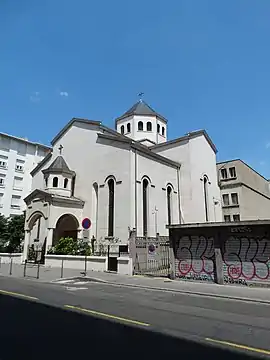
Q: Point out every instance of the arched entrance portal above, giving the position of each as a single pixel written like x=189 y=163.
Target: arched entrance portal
x=37 y=241
x=66 y=226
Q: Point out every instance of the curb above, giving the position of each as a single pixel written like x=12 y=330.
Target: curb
x=187 y=292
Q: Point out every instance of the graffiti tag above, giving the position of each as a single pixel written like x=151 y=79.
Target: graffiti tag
x=195 y=257
x=246 y=258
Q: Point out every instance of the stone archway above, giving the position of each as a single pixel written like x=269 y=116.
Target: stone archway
x=67 y=226
x=37 y=238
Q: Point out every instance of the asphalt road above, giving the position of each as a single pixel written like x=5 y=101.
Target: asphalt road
x=210 y=322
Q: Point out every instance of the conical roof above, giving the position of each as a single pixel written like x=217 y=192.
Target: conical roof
x=143 y=109
x=58 y=165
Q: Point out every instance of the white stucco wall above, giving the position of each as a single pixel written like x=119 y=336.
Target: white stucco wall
x=197 y=158
x=137 y=135
x=160 y=175
x=95 y=160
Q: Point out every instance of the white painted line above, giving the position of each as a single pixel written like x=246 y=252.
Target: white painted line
x=75 y=289
x=65 y=281
x=81 y=282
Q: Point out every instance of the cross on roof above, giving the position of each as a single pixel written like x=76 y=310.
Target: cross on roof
x=60 y=149
x=140 y=95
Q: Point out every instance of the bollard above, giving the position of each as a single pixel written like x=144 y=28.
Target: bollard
x=85 y=265
x=38 y=271
x=62 y=269
x=10 y=267
x=24 y=270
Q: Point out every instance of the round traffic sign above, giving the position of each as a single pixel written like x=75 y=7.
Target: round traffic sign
x=86 y=223
x=151 y=248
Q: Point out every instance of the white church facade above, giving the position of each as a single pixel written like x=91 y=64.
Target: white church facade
x=128 y=178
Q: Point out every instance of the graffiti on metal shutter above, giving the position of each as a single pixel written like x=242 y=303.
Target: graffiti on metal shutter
x=195 y=258
x=246 y=259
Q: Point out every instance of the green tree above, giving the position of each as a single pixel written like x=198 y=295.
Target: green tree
x=69 y=246
x=3 y=232
x=15 y=233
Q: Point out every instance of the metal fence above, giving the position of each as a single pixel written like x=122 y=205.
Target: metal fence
x=152 y=256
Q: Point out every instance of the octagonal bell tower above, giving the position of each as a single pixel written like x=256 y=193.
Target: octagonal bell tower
x=142 y=123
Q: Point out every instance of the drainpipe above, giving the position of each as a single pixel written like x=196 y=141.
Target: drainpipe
x=135 y=172
x=178 y=190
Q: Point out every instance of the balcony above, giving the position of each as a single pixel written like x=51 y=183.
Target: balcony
x=18 y=188
x=17 y=207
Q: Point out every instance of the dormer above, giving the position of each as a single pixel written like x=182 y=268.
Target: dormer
x=58 y=177
x=142 y=123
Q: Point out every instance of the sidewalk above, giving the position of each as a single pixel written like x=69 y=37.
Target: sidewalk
x=236 y=292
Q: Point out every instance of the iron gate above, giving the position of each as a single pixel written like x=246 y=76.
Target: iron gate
x=152 y=256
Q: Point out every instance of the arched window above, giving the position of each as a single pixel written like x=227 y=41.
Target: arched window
x=140 y=125
x=95 y=209
x=163 y=130
x=122 y=129
x=149 y=126
x=128 y=127
x=145 y=206
x=55 y=182
x=169 y=204
x=158 y=128
x=65 y=183
x=111 y=208
x=205 y=194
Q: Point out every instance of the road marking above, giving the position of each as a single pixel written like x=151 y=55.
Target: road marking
x=76 y=288
x=17 y=294
x=239 y=346
x=93 y=312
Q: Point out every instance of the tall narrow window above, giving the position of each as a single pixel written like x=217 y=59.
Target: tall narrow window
x=111 y=207
x=128 y=127
x=140 y=125
x=169 y=204
x=205 y=194
x=122 y=129
x=158 y=128
x=73 y=186
x=163 y=130
x=55 y=182
x=145 y=206
x=95 y=209
x=65 y=183
x=149 y=126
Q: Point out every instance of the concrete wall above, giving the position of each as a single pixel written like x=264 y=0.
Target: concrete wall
x=234 y=254
x=253 y=205
x=94 y=263
x=252 y=189
x=14 y=152
x=6 y=258
x=244 y=174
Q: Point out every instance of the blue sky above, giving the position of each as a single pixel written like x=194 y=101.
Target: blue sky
x=201 y=64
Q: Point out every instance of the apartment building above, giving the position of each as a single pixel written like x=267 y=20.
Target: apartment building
x=245 y=194
x=17 y=159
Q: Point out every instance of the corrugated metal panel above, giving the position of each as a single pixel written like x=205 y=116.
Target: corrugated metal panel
x=194 y=258
x=246 y=259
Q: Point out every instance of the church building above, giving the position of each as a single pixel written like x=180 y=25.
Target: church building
x=128 y=178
